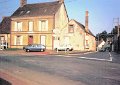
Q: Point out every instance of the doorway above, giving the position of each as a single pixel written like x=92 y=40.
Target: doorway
x=30 y=39
x=43 y=40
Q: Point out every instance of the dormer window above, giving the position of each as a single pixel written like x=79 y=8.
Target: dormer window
x=71 y=29
x=45 y=10
x=28 y=12
x=21 y=12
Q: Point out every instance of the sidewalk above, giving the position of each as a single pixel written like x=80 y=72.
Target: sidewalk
x=114 y=54
x=47 y=52
x=115 y=57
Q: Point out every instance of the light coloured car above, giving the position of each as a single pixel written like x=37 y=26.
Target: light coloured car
x=4 y=45
x=34 y=47
x=64 y=47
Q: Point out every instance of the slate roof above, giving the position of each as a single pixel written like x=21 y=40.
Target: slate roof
x=38 y=9
x=5 y=25
x=83 y=27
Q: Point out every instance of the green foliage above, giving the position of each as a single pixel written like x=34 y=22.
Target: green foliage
x=103 y=35
x=114 y=30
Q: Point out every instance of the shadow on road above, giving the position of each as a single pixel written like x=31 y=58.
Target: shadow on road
x=4 y=82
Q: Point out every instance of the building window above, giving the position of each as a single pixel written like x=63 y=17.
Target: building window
x=21 y=12
x=30 y=26
x=18 y=40
x=87 y=44
x=71 y=28
x=27 y=12
x=18 y=26
x=2 y=39
x=43 y=40
x=43 y=25
x=87 y=34
x=56 y=38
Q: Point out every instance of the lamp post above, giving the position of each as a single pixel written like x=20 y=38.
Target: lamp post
x=56 y=32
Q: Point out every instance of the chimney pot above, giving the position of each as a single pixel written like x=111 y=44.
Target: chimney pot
x=3 y=17
x=86 y=20
x=61 y=1
x=23 y=2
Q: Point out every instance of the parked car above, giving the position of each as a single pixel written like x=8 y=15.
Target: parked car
x=102 y=50
x=4 y=45
x=34 y=47
x=64 y=47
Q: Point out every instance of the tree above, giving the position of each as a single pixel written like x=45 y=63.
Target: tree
x=103 y=35
x=114 y=30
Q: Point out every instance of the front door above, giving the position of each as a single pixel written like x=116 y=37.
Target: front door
x=30 y=39
x=56 y=42
x=2 y=39
x=43 y=40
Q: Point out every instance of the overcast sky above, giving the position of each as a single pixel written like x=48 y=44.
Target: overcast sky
x=101 y=12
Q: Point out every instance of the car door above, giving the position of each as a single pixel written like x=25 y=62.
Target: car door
x=33 y=48
x=37 y=47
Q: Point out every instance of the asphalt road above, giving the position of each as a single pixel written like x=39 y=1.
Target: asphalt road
x=73 y=69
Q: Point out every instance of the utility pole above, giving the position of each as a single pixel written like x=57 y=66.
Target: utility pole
x=98 y=42
x=116 y=21
x=118 y=28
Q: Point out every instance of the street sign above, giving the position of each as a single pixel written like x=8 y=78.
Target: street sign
x=56 y=31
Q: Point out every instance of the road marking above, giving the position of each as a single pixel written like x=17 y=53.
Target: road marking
x=75 y=54
x=88 y=58
x=65 y=56
x=110 y=54
x=59 y=55
x=111 y=58
x=93 y=59
x=68 y=56
x=89 y=52
x=29 y=60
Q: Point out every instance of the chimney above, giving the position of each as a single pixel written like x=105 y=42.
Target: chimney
x=86 y=21
x=23 y=2
x=3 y=17
x=61 y=1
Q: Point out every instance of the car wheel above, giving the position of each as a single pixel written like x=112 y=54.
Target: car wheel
x=56 y=49
x=41 y=50
x=67 y=49
x=4 y=47
x=27 y=50
x=24 y=49
x=71 y=49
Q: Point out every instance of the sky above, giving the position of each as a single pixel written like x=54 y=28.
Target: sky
x=102 y=13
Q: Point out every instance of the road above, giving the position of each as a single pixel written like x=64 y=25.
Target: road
x=100 y=68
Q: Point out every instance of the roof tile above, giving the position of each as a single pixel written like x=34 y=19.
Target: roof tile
x=38 y=9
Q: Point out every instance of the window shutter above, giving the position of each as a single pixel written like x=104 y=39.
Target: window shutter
x=39 y=25
x=15 y=26
x=15 y=40
x=20 y=29
x=21 y=41
x=30 y=26
x=46 y=25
